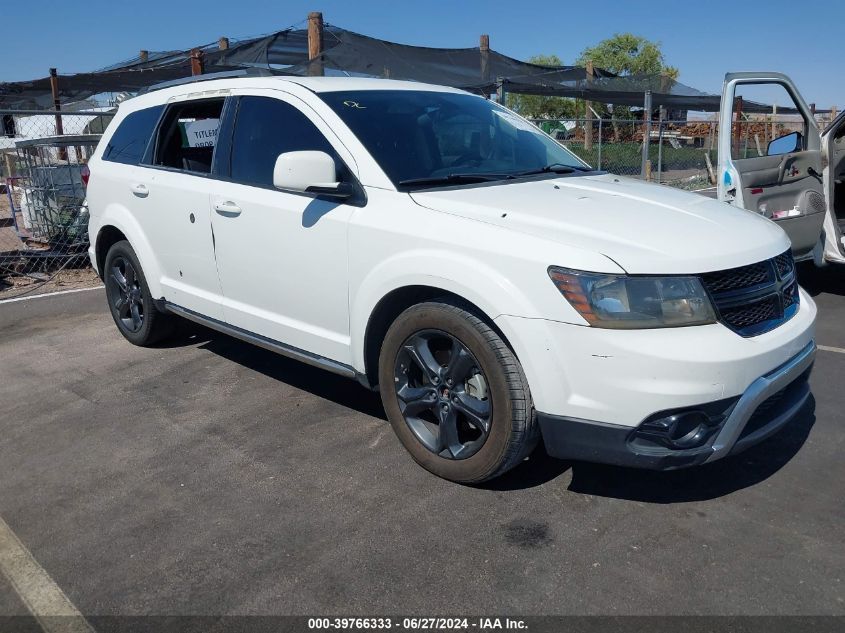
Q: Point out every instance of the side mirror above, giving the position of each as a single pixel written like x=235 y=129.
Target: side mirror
x=786 y=144
x=309 y=172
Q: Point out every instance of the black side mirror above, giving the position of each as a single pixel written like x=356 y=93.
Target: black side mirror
x=786 y=144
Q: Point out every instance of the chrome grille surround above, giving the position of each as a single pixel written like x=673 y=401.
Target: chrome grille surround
x=757 y=298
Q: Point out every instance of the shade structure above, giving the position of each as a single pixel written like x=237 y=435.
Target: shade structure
x=348 y=53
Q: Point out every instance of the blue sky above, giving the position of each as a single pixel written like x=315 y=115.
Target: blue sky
x=704 y=40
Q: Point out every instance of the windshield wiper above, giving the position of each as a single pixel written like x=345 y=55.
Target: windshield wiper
x=453 y=179
x=557 y=168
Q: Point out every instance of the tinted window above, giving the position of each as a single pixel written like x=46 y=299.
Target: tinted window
x=129 y=141
x=419 y=134
x=265 y=128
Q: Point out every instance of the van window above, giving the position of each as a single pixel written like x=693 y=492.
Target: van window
x=266 y=127
x=754 y=127
x=188 y=135
x=129 y=141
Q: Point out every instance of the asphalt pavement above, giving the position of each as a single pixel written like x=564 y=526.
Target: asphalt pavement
x=207 y=476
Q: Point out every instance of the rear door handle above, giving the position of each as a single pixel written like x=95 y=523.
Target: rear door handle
x=227 y=208
x=140 y=190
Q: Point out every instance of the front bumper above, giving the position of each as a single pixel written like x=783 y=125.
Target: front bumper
x=768 y=404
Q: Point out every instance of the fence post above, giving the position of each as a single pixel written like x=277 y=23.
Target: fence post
x=484 y=52
x=196 y=62
x=315 y=43
x=646 y=133
x=660 y=149
x=57 y=106
x=600 y=141
x=500 y=90
x=588 y=125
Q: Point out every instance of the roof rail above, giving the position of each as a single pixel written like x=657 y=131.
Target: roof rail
x=226 y=74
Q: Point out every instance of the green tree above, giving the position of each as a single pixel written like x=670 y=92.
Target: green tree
x=538 y=106
x=626 y=54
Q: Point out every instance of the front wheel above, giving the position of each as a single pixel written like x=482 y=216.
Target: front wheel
x=455 y=394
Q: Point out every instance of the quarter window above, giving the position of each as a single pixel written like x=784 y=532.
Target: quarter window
x=266 y=127
x=130 y=140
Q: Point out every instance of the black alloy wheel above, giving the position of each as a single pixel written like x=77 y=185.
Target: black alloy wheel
x=125 y=294
x=442 y=394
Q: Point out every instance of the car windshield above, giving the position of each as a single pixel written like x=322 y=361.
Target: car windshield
x=424 y=138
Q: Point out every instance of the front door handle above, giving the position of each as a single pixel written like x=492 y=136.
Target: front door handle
x=140 y=190
x=227 y=208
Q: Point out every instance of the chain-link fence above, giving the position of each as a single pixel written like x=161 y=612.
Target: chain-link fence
x=680 y=153
x=43 y=212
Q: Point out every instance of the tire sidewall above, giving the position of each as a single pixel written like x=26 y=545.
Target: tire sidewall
x=486 y=461
x=125 y=250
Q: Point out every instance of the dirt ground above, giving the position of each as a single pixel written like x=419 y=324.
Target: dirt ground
x=13 y=284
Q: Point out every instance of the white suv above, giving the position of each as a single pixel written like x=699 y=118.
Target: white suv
x=434 y=245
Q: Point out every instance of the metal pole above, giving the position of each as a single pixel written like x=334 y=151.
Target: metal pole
x=646 y=133
x=660 y=151
x=600 y=142
x=500 y=90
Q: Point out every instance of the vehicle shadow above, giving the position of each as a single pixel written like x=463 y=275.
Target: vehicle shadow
x=829 y=279
x=318 y=382
x=709 y=481
x=701 y=483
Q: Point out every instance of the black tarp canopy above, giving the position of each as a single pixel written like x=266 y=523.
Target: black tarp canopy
x=352 y=54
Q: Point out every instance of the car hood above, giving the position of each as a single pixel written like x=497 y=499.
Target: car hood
x=645 y=228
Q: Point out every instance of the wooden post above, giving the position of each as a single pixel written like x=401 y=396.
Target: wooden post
x=196 y=62
x=223 y=43
x=57 y=105
x=143 y=56
x=738 y=126
x=484 y=53
x=774 y=121
x=315 y=42
x=588 y=105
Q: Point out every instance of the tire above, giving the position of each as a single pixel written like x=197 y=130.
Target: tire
x=417 y=387
x=129 y=299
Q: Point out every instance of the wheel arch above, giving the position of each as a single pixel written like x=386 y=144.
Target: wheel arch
x=391 y=305
x=108 y=236
x=116 y=224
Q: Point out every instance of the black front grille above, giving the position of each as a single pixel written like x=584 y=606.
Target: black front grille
x=784 y=264
x=756 y=298
x=738 y=278
x=748 y=315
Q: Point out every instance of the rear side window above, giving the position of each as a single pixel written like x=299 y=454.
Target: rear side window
x=266 y=127
x=188 y=135
x=129 y=141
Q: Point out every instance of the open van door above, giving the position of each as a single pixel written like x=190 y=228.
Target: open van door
x=785 y=183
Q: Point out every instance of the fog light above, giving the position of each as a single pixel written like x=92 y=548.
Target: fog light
x=686 y=429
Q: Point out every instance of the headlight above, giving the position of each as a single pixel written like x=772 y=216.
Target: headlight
x=620 y=301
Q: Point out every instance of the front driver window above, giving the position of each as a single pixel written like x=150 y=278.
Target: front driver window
x=264 y=128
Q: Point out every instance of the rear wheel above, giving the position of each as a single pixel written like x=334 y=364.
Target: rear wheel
x=131 y=305
x=455 y=394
